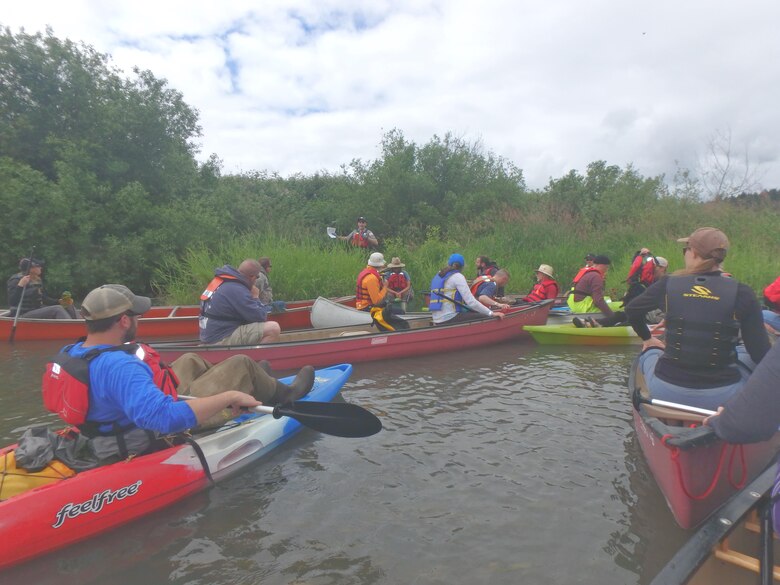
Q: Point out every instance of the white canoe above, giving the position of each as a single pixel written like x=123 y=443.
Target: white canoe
x=325 y=313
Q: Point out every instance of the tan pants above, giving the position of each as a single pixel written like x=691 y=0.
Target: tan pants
x=249 y=334
x=199 y=378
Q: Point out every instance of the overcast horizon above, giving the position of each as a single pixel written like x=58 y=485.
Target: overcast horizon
x=300 y=87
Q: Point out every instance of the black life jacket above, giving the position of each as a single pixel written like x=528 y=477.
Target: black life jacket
x=701 y=326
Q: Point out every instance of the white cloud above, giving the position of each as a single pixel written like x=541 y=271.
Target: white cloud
x=301 y=86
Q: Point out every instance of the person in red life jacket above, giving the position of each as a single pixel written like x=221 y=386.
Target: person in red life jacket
x=485 y=289
x=231 y=312
x=772 y=312
x=361 y=237
x=370 y=290
x=545 y=288
x=643 y=272
x=111 y=390
x=451 y=299
x=587 y=291
x=701 y=362
x=398 y=283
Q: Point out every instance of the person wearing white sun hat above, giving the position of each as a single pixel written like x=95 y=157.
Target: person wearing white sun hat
x=370 y=289
x=545 y=288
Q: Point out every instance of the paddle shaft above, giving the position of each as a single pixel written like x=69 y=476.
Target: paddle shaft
x=21 y=298
x=694 y=409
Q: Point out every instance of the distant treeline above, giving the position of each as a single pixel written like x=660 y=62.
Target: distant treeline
x=99 y=172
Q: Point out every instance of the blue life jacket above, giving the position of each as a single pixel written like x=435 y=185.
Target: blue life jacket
x=437 y=289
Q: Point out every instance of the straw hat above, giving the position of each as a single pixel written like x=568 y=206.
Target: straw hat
x=545 y=269
x=396 y=263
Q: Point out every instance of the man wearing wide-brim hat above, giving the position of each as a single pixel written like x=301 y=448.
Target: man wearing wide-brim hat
x=370 y=290
x=398 y=282
x=545 y=288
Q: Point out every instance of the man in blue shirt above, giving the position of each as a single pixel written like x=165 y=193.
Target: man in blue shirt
x=125 y=404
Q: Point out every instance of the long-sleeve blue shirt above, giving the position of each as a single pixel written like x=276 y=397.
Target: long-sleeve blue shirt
x=122 y=391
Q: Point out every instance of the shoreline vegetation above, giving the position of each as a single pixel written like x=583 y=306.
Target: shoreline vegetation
x=100 y=173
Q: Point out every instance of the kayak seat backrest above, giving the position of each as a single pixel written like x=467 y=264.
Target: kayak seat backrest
x=672 y=416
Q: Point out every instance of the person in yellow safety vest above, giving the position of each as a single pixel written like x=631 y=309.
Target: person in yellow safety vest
x=587 y=293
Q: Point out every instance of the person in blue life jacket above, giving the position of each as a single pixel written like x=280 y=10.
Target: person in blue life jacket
x=126 y=410
x=231 y=312
x=701 y=362
x=451 y=300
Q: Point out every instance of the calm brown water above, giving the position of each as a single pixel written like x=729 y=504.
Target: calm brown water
x=505 y=465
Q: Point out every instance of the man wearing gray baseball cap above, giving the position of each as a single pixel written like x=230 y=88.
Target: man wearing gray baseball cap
x=125 y=403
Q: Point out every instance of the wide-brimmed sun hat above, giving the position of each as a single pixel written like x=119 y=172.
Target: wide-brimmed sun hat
x=377 y=260
x=396 y=263
x=545 y=269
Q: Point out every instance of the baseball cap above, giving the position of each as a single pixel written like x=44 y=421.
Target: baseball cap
x=601 y=259
x=26 y=263
x=709 y=242
x=589 y=256
x=111 y=300
x=361 y=218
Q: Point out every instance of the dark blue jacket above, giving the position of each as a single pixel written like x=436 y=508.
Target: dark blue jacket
x=230 y=306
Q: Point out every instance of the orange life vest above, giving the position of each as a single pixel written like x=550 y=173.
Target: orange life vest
x=214 y=285
x=479 y=281
x=362 y=297
x=772 y=295
x=547 y=289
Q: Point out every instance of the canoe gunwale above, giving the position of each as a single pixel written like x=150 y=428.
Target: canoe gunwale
x=697 y=549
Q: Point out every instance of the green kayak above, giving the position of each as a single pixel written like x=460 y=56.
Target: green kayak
x=571 y=335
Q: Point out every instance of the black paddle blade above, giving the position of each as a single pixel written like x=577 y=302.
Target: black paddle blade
x=337 y=419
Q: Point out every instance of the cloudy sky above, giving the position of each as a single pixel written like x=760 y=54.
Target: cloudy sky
x=301 y=86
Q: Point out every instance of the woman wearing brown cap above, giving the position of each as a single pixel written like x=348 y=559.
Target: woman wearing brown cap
x=700 y=364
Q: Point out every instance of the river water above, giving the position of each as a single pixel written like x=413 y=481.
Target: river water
x=504 y=465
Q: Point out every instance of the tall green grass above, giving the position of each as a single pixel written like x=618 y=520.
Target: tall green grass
x=317 y=266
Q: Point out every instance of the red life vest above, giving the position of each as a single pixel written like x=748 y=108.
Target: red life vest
x=479 y=281
x=772 y=295
x=362 y=298
x=397 y=281
x=642 y=270
x=359 y=241
x=214 y=285
x=66 y=380
x=547 y=289
x=583 y=271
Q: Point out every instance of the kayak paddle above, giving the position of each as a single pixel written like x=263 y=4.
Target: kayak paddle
x=339 y=419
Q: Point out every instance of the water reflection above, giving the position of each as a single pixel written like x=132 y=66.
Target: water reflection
x=510 y=464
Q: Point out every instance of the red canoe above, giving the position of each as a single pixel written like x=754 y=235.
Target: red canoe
x=695 y=470
x=181 y=321
x=359 y=343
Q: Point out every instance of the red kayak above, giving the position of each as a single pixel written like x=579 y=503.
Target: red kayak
x=361 y=343
x=695 y=470
x=180 y=321
x=70 y=510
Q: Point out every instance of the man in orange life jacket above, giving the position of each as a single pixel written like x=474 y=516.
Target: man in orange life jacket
x=362 y=237
x=120 y=397
x=370 y=290
x=545 y=287
x=231 y=312
x=485 y=289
